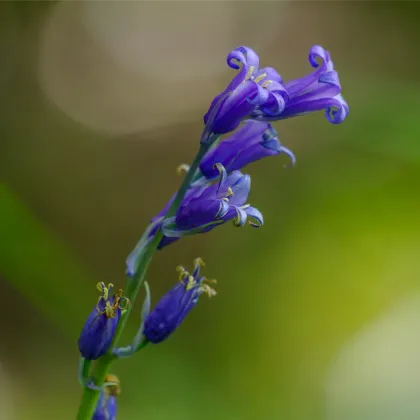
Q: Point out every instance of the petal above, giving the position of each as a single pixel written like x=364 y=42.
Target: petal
x=245 y=56
x=275 y=105
x=330 y=77
x=296 y=86
x=337 y=112
x=270 y=74
x=328 y=86
x=240 y=218
x=316 y=54
x=290 y=154
x=278 y=88
x=198 y=213
x=211 y=191
x=223 y=209
x=240 y=189
x=235 y=108
x=336 y=108
x=214 y=108
x=260 y=96
x=319 y=59
x=97 y=334
x=112 y=408
x=166 y=241
x=227 y=151
x=256 y=216
x=252 y=153
x=223 y=176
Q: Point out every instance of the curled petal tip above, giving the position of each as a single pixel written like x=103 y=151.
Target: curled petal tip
x=318 y=52
x=255 y=217
x=291 y=156
x=244 y=56
x=222 y=175
x=260 y=97
x=338 y=111
x=223 y=209
x=240 y=218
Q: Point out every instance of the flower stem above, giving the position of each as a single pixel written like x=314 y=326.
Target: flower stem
x=90 y=397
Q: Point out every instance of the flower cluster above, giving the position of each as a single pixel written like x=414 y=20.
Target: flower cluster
x=261 y=94
x=215 y=191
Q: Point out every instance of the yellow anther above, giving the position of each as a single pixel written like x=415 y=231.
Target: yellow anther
x=260 y=77
x=266 y=83
x=105 y=290
x=191 y=283
x=182 y=169
x=229 y=193
x=200 y=262
x=100 y=286
x=249 y=73
x=125 y=306
x=113 y=387
x=205 y=288
x=109 y=311
x=183 y=273
x=111 y=308
x=211 y=281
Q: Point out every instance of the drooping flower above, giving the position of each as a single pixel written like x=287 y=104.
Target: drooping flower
x=99 y=328
x=208 y=205
x=320 y=90
x=261 y=93
x=174 y=306
x=254 y=140
x=252 y=88
x=106 y=408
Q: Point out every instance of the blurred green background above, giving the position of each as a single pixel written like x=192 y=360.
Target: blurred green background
x=317 y=314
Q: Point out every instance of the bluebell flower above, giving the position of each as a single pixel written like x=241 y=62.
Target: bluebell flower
x=252 y=88
x=320 y=90
x=99 y=328
x=106 y=408
x=174 y=306
x=261 y=93
x=208 y=204
x=254 y=140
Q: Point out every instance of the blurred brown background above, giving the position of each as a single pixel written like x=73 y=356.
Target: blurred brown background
x=317 y=314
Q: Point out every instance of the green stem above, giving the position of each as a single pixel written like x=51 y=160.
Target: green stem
x=90 y=397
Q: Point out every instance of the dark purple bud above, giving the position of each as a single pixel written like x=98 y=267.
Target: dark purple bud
x=171 y=310
x=99 y=328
